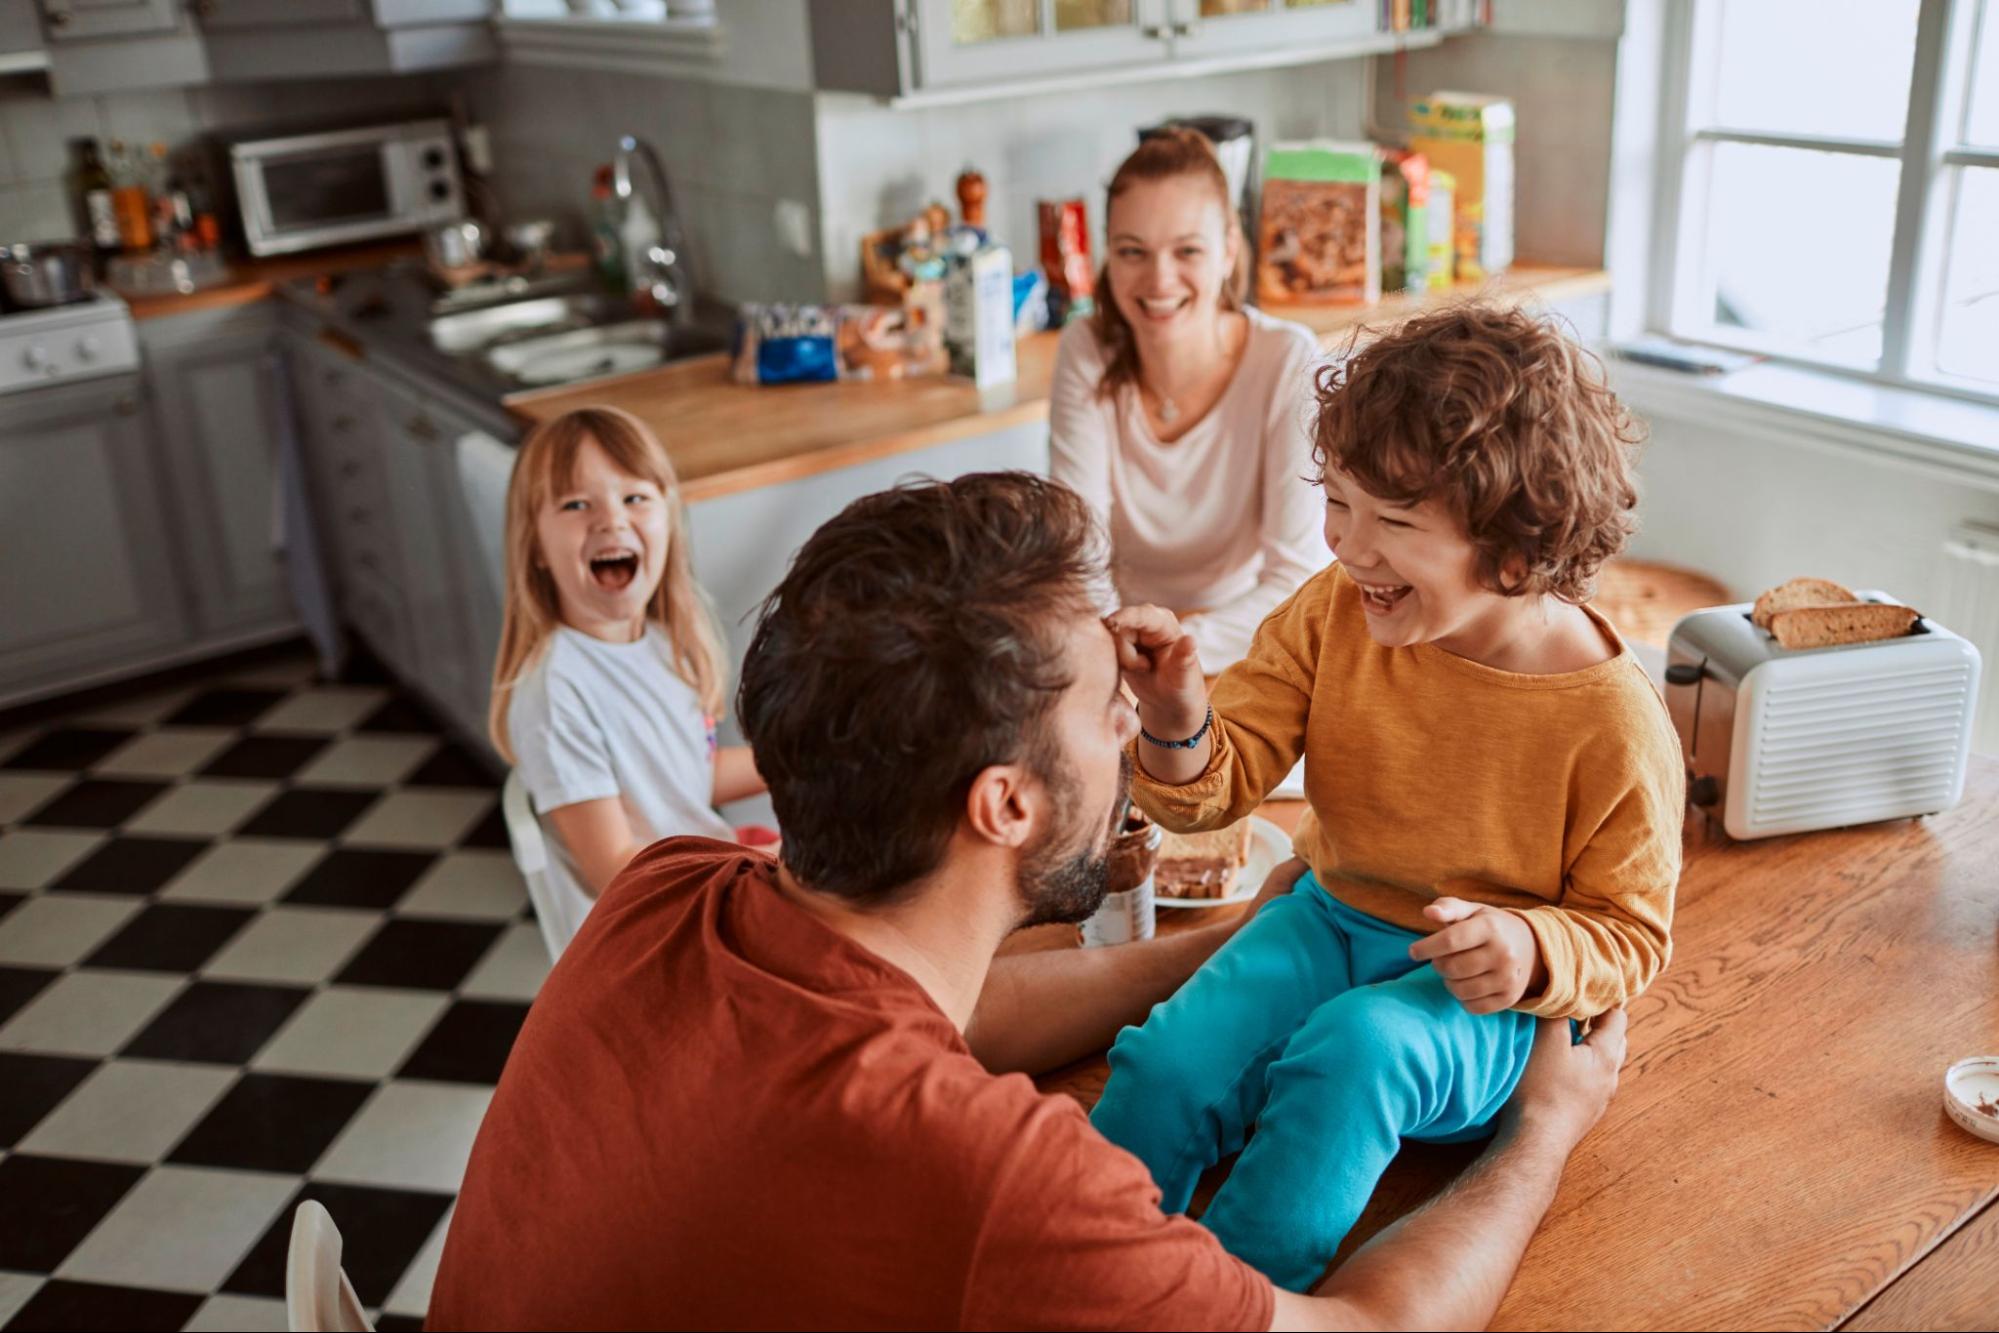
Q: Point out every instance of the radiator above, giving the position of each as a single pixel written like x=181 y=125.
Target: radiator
x=1970 y=606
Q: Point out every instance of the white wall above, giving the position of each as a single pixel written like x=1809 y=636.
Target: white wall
x=878 y=165
x=1755 y=508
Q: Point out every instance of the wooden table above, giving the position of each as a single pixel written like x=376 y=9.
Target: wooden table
x=1778 y=1155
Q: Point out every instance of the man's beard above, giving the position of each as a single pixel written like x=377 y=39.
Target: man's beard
x=1062 y=888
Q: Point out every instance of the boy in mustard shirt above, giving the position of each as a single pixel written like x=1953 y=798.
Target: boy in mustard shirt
x=1496 y=790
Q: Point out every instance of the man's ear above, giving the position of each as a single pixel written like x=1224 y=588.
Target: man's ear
x=1002 y=805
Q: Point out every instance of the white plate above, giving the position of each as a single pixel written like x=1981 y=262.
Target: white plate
x=1268 y=845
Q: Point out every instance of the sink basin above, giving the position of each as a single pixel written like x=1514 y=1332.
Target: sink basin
x=484 y=327
x=622 y=348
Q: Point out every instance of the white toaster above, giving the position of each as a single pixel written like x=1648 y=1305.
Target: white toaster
x=1784 y=740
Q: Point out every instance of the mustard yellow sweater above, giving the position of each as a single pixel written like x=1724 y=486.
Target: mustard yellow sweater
x=1558 y=798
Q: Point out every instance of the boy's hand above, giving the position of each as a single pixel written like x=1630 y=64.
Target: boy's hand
x=1163 y=669
x=1487 y=958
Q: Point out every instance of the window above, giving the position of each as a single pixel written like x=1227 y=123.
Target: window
x=1837 y=171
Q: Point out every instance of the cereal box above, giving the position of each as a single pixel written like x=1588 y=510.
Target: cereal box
x=1319 y=233
x=1470 y=135
x=1405 y=221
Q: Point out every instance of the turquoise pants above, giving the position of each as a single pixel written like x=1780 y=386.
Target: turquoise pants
x=1312 y=1024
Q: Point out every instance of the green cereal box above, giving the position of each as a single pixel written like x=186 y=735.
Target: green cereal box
x=1470 y=135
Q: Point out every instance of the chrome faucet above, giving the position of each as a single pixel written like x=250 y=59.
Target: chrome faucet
x=662 y=274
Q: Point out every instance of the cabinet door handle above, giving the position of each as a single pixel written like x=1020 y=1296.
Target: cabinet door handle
x=127 y=406
x=420 y=427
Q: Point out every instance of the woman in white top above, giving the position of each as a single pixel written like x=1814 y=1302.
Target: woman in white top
x=1182 y=416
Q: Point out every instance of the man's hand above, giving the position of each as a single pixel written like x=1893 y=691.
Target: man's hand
x=1566 y=1087
x=1163 y=669
x=1487 y=957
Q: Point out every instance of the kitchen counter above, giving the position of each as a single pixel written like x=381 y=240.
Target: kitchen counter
x=252 y=280
x=1777 y=1155
x=727 y=437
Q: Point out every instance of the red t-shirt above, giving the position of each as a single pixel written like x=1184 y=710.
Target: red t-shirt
x=721 y=1113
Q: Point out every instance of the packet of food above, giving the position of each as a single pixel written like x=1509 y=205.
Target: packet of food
x=1319 y=233
x=817 y=344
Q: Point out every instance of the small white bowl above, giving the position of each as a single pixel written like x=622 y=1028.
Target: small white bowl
x=1971 y=1095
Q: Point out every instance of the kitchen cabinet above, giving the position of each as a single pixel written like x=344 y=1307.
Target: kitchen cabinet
x=70 y=20
x=103 y=46
x=214 y=381
x=314 y=39
x=21 y=48
x=409 y=573
x=955 y=49
x=89 y=581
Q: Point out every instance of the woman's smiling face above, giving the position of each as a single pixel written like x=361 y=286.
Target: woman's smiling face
x=603 y=539
x=1171 y=251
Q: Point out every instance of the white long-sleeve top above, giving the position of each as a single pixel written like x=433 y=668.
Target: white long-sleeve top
x=1220 y=525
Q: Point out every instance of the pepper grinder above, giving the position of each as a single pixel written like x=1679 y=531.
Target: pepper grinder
x=972 y=198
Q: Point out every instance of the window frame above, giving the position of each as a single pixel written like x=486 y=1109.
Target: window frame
x=1932 y=160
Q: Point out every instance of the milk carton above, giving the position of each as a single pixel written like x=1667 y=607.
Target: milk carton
x=1470 y=136
x=978 y=314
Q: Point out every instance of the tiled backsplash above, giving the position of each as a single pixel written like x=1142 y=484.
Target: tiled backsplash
x=878 y=165
x=733 y=155
x=35 y=129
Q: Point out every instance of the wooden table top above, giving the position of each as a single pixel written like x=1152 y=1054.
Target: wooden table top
x=1778 y=1155
x=726 y=437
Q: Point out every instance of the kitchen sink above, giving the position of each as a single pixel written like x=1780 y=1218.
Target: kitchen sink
x=564 y=339
x=566 y=356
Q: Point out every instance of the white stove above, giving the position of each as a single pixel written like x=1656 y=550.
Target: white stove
x=62 y=344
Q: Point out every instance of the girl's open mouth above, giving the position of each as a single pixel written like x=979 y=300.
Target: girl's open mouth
x=614 y=573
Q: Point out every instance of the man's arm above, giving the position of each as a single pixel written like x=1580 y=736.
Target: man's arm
x=1039 y=1011
x=1448 y=1264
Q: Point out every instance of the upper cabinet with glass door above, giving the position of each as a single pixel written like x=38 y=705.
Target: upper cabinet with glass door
x=960 y=42
x=956 y=48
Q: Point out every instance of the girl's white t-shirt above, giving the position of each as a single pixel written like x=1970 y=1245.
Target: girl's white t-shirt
x=1221 y=521
x=591 y=720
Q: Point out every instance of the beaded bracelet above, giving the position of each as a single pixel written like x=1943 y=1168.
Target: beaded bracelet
x=1187 y=744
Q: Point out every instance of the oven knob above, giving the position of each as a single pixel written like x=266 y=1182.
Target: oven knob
x=1704 y=791
x=440 y=190
x=87 y=349
x=36 y=357
x=433 y=159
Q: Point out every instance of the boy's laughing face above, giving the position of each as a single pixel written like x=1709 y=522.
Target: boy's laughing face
x=1415 y=565
x=604 y=542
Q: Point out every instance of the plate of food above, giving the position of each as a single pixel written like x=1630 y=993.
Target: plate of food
x=1218 y=869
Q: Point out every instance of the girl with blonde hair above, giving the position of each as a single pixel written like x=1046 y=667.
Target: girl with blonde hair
x=609 y=680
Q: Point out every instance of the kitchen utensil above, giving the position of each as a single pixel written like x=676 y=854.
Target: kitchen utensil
x=455 y=245
x=529 y=241
x=39 y=274
x=1781 y=740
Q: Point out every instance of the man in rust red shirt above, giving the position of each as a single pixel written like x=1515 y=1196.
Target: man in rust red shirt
x=777 y=1094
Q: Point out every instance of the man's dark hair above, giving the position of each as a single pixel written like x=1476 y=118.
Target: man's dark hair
x=915 y=641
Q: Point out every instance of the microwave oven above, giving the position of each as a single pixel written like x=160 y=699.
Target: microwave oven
x=304 y=191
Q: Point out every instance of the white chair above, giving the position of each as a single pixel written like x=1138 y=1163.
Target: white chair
x=531 y=857
x=318 y=1295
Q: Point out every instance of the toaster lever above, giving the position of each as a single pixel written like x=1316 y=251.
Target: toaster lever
x=1684 y=673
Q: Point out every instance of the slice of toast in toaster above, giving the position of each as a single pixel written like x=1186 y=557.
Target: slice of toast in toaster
x=1848 y=622
x=1796 y=594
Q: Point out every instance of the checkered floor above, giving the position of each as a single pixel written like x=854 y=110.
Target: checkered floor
x=261 y=941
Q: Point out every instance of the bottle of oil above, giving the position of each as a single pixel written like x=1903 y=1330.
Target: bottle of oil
x=130 y=200
x=90 y=185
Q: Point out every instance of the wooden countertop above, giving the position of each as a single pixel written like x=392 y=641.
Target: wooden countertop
x=252 y=280
x=1778 y=1154
x=727 y=437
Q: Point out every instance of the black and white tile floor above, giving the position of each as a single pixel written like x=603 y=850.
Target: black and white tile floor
x=261 y=940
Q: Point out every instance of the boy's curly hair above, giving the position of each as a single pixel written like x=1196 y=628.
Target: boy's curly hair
x=1508 y=422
